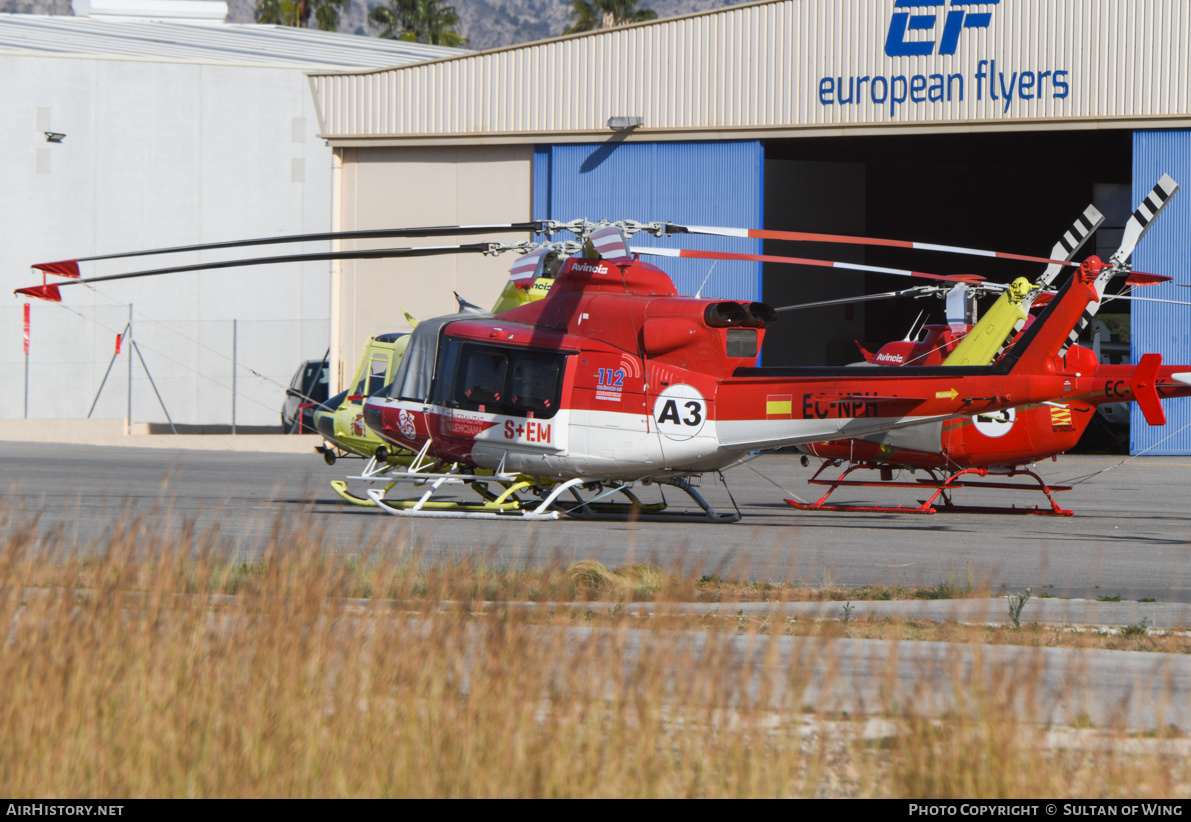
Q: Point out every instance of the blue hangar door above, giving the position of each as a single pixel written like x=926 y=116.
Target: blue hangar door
x=711 y=184
x=1166 y=249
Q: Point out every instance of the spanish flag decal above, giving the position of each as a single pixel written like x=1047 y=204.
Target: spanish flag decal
x=779 y=406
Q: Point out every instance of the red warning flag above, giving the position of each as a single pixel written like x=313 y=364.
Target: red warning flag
x=118 y=338
x=26 y=329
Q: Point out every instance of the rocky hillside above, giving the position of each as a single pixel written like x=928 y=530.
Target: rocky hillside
x=486 y=23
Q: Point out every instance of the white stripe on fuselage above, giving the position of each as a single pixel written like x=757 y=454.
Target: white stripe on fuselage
x=599 y=444
x=753 y=435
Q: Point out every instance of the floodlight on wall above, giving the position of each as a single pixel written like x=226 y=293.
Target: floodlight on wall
x=625 y=123
x=54 y=137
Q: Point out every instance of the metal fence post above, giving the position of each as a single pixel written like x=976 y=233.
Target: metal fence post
x=129 y=424
x=235 y=338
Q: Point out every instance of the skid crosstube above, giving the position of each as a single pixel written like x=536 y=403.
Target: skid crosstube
x=943 y=487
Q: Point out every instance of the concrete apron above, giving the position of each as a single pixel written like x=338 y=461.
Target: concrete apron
x=118 y=432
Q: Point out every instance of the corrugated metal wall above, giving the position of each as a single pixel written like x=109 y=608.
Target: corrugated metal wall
x=1166 y=249
x=794 y=64
x=716 y=184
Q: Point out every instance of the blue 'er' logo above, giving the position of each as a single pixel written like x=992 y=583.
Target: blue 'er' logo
x=923 y=17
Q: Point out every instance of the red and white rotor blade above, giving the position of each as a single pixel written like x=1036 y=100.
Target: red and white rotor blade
x=609 y=241
x=48 y=292
x=62 y=268
x=1139 y=278
x=691 y=253
x=808 y=237
x=525 y=270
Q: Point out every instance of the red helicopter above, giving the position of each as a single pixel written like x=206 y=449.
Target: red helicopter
x=614 y=380
x=954 y=451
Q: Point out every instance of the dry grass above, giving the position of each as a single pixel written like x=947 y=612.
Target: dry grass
x=158 y=668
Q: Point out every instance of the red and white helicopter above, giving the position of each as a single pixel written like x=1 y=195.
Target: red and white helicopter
x=952 y=452
x=614 y=380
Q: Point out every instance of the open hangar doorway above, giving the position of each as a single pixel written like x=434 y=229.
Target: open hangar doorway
x=1000 y=191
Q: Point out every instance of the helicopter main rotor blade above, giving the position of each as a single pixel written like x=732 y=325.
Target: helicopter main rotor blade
x=1140 y=278
x=50 y=292
x=70 y=268
x=916 y=291
x=1140 y=221
x=1136 y=227
x=770 y=258
x=1110 y=297
x=803 y=236
x=1072 y=240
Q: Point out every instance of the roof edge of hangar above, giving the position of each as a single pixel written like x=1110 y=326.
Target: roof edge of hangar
x=1152 y=121
x=204 y=43
x=563 y=37
x=793 y=67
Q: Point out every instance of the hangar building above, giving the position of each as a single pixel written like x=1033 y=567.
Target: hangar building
x=141 y=124
x=987 y=124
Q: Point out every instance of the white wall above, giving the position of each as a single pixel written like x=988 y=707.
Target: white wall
x=155 y=155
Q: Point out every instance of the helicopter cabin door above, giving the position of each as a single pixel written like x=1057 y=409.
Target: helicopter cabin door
x=609 y=422
x=492 y=403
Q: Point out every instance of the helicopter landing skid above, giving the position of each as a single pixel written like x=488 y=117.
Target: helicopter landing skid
x=374 y=470
x=585 y=509
x=426 y=472
x=340 y=489
x=508 y=506
x=636 y=509
x=943 y=487
x=505 y=506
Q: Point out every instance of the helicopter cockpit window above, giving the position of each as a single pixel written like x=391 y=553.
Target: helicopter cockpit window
x=484 y=379
x=374 y=380
x=535 y=385
x=509 y=381
x=376 y=373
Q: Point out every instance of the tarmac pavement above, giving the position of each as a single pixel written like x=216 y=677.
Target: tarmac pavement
x=1130 y=536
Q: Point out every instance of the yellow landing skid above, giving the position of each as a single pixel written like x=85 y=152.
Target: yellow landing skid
x=449 y=505
x=340 y=488
x=506 y=501
x=509 y=490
